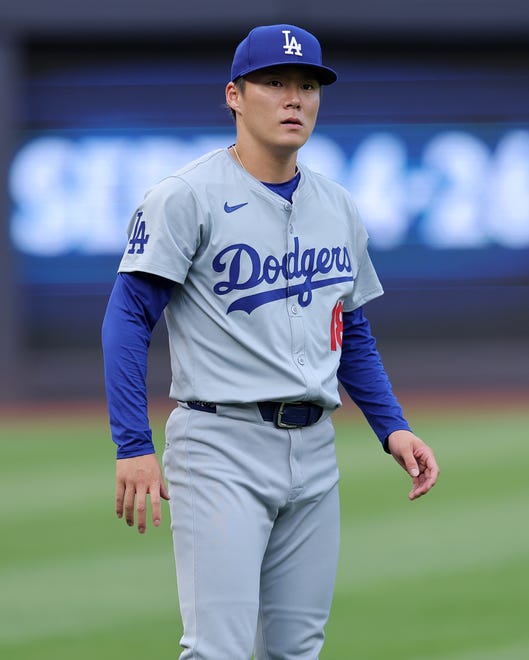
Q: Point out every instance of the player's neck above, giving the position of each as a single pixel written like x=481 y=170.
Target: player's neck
x=265 y=165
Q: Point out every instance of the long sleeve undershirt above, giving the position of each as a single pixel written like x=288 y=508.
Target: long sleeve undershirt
x=364 y=378
x=135 y=305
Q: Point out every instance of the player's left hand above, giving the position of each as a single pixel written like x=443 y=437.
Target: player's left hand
x=416 y=458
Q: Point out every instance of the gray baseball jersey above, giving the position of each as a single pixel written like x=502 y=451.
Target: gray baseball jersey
x=264 y=281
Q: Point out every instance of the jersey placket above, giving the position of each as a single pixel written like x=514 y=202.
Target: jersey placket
x=295 y=312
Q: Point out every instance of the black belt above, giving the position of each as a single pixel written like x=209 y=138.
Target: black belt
x=284 y=415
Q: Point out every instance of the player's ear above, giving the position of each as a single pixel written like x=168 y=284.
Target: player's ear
x=232 y=96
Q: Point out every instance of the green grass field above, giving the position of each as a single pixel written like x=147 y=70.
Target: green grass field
x=445 y=577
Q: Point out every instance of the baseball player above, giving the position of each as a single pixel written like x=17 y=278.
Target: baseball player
x=261 y=268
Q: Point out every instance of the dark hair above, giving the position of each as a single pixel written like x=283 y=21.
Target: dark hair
x=240 y=83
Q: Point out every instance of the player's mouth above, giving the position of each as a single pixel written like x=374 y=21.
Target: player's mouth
x=292 y=121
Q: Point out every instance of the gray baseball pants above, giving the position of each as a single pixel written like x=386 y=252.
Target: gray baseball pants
x=255 y=520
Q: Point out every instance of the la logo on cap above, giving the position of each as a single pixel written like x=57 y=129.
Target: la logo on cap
x=292 y=47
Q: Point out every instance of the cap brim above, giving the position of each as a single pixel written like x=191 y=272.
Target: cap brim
x=324 y=74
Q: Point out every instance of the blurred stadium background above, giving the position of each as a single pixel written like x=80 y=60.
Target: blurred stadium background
x=428 y=127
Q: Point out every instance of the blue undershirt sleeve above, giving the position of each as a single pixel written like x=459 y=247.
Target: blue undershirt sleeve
x=364 y=378
x=134 y=307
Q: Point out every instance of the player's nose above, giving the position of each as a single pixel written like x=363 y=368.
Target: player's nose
x=293 y=98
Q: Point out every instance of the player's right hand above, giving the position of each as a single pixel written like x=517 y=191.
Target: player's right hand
x=135 y=478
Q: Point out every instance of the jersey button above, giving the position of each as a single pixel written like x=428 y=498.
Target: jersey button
x=301 y=360
x=294 y=309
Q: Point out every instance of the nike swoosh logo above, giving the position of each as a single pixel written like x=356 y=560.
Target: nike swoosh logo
x=231 y=209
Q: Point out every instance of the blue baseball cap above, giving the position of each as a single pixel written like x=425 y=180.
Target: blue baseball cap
x=274 y=45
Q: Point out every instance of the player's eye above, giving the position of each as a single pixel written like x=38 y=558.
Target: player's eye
x=275 y=83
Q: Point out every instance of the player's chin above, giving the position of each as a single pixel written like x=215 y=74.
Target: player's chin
x=294 y=140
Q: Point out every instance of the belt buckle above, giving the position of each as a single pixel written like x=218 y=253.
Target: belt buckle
x=279 y=416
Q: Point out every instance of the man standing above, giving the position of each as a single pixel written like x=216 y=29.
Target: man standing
x=261 y=266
